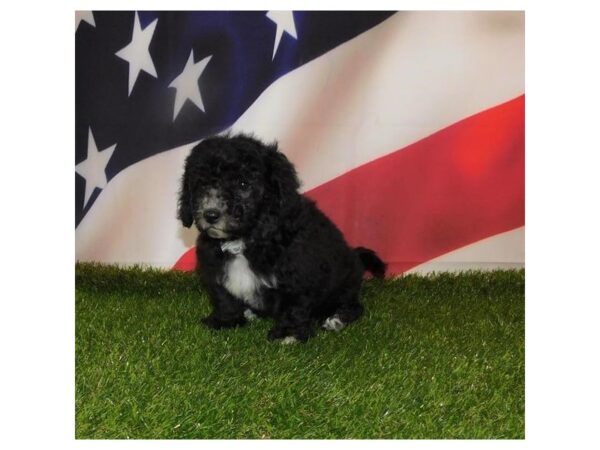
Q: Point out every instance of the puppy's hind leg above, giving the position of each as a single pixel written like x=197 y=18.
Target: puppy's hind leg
x=342 y=317
x=348 y=311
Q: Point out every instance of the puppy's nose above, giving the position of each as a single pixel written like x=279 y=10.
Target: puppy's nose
x=211 y=215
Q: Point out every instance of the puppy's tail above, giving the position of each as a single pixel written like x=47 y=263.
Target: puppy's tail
x=371 y=261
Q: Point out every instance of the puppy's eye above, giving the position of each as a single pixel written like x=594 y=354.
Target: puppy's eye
x=244 y=186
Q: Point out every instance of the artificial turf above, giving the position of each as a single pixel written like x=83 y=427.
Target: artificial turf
x=433 y=357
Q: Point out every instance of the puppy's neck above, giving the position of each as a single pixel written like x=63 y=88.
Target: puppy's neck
x=235 y=247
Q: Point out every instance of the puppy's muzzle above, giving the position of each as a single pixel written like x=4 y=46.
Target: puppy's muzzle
x=212 y=215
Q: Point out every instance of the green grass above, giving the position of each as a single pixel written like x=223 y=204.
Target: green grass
x=433 y=357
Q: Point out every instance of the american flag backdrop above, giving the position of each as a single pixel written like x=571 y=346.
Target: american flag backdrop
x=406 y=128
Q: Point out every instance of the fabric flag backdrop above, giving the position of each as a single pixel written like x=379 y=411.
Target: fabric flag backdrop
x=406 y=128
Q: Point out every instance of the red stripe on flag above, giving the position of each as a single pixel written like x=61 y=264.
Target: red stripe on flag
x=455 y=187
x=187 y=261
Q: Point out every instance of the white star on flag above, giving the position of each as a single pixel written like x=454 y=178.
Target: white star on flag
x=93 y=168
x=186 y=84
x=85 y=16
x=137 y=52
x=285 y=22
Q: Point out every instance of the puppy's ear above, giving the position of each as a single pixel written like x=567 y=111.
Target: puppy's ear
x=184 y=210
x=282 y=179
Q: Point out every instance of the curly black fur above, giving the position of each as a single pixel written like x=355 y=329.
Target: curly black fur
x=294 y=264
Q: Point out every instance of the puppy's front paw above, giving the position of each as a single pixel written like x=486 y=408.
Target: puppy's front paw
x=249 y=315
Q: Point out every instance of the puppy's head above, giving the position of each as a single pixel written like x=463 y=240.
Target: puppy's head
x=230 y=182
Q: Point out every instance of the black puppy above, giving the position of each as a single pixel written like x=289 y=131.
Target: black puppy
x=263 y=247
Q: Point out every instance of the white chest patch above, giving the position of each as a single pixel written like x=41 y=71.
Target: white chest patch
x=241 y=281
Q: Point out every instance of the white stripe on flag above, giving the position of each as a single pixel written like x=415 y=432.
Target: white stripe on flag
x=503 y=251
